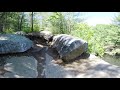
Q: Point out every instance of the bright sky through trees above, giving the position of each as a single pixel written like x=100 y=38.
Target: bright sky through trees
x=99 y=17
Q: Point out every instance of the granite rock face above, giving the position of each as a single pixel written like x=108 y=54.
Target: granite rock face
x=11 y=43
x=21 y=67
x=69 y=47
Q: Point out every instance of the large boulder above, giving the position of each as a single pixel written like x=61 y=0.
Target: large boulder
x=46 y=35
x=10 y=43
x=69 y=47
x=21 y=67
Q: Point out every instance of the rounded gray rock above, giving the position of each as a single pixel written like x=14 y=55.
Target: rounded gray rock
x=11 y=43
x=69 y=47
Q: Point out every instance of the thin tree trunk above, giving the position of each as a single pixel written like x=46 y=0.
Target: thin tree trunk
x=21 y=21
x=32 y=22
x=18 y=22
x=2 y=21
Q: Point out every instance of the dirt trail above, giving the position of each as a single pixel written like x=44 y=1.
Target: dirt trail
x=48 y=59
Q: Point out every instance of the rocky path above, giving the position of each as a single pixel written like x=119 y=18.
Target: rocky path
x=93 y=67
x=48 y=66
x=43 y=62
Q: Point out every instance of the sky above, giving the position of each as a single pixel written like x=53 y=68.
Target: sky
x=94 y=18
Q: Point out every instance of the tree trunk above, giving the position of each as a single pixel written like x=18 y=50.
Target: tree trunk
x=1 y=27
x=2 y=21
x=32 y=22
x=18 y=23
x=21 y=21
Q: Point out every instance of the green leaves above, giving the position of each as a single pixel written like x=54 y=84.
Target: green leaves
x=58 y=23
x=64 y=23
x=93 y=36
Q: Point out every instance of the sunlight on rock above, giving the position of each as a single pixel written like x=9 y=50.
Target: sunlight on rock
x=93 y=67
x=17 y=76
x=3 y=38
x=8 y=67
x=23 y=66
x=11 y=43
x=68 y=76
x=41 y=57
x=69 y=47
x=39 y=45
x=102 y=74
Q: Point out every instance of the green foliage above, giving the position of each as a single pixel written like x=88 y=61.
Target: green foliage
x=64 y=22
x=97 y=37
x=116 y=33
x=10 y=30
x=106 y=35
x=116 y=19
x=115 y=36
x=36 y=28
x=26 y=29
x=84 y=31
x=58 y=23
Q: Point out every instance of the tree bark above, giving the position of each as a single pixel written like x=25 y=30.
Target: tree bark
x=2 y=21
x=18 y=23
x=32 y=22
x=21 y=21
